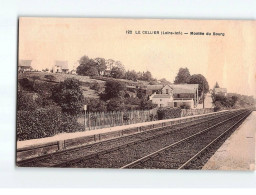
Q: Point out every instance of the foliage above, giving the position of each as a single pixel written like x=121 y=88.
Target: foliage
x=222 y=102
x=201 y=80
x=147 y=105
x=117 y=72
x=87 y=67
x=95 y=105
x=26 y=84
x=131 y=75
x=216 y=85
x=146 y=76
x=100 y=65
x=26 y=102
x=50 y=77
x=69 y=96
x=44 y=123
x=184 y=106
x=96 y=86
x=183 y=76
x=113 y=89
x=168 y=113
x=116 y=104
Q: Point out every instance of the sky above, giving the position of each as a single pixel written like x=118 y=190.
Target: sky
x=229 y=60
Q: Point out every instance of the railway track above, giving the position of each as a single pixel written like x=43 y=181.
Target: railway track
x=107 y=153
x=186 y=153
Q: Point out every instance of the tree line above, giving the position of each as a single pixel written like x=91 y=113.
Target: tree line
x=110 y=68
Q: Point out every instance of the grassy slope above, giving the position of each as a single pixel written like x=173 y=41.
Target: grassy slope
x=85 y=80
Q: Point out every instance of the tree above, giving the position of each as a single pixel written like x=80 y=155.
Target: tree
x=201 y=80
x=87 y=67
x=92 y=71
x=183 y=76
x=131 y=75
x=68 y=95
x=100 y=65
x=146 y=76
x=113 y=89
x=84 y=60
x=216 y=85
x=117 y=72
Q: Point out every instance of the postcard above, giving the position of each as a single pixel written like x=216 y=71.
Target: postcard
x=136 y=93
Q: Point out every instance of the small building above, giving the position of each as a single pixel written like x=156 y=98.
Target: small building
x=176 y=95
x=220 y=91
x=61 y=67
x=24 y=66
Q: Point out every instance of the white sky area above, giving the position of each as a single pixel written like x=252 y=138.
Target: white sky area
x=230 y=60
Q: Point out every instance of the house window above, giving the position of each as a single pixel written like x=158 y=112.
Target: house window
x=175 y=104
x=160 y=100
x=178 y=95
x=167 y=91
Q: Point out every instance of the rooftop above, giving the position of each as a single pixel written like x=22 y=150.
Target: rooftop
x=26 y=63
x=62 y=64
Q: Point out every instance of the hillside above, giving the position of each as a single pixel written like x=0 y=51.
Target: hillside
x=86 y=81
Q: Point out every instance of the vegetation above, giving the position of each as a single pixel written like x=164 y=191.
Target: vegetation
x=183 y=76
x=68 y=95
x=203 y=84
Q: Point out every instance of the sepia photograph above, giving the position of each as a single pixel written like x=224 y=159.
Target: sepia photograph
x=136 y=93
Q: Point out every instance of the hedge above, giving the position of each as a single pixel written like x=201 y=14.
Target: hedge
x=44 y=123
x=168 y=113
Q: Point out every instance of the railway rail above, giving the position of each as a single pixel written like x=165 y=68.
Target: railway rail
x=120 y=152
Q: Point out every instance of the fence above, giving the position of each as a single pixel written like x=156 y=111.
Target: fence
x=98 y=120
x=190 y=112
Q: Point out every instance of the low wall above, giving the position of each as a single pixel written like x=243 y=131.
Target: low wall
x=35 y=150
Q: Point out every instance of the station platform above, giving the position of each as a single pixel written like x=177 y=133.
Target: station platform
x=238 y=151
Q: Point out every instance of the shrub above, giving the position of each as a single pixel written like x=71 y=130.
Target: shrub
x=44 y=123
x=25 y=101
x=116 y=104
x=185 y=106
x=50 y=77
x=96 y=86
x=168 y=113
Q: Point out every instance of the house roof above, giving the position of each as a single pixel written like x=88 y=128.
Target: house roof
x=220 y=90
x=177 y=88
x=62 y=64
x=161 y=96
x=154 y=87
x=25 y=63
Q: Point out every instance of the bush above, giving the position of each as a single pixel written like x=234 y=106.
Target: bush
x=44 y=123
x=116 y=104
x=184 y=106
x=96 y=86
x=168 y=113
x=50 y=77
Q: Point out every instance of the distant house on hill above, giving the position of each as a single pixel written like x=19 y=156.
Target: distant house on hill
x=222 y=91
x=61 y=67
x=174 y=95
x=24 y=65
